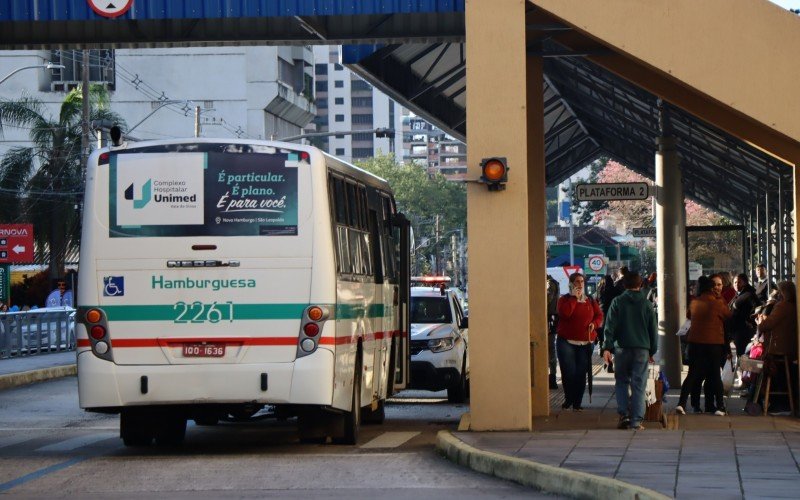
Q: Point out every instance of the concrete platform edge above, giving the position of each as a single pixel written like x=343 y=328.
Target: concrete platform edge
x=543 y=477
x=12 y=380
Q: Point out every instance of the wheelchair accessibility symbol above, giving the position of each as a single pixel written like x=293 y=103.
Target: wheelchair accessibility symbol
x=114 y=286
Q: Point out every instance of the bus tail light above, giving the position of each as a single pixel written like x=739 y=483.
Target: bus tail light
x=97 y=332
x=96 y=323
x=311 y=325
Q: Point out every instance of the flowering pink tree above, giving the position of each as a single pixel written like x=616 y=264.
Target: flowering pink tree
x=638 y=213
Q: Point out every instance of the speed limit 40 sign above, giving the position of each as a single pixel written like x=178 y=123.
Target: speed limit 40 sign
x=596 y=263
x=110 y=8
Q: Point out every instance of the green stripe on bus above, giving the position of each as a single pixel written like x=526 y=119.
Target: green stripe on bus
x=163 y=312
x=351 y=311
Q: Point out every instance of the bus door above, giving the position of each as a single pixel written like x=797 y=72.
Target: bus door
x=401 y=235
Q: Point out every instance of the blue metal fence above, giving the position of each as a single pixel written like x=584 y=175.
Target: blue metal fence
x=36 y=332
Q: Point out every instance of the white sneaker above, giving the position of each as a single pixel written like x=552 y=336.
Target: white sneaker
x=720 y=413
x=679 y=410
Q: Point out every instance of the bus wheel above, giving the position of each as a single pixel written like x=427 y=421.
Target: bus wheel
x=457 y=393
x=377 y=416
x=171 y=429
x=352 y=419
x=135 y=428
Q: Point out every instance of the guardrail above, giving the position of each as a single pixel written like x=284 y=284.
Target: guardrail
x=37 y=331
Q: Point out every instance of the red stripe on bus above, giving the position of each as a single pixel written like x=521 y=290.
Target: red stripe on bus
x=260 y=341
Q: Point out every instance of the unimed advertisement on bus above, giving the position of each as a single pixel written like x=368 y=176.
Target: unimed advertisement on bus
x=203 y=194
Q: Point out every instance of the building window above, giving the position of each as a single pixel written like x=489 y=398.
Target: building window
x=101 y=69
x=362 y=102
x=362 y=137
x=419 y=150
x=322 y=103
x=362 y=119
x=321 y=85
x=321 y=69
x=339 y=84
x=361 y=85
x=362 y=152
x=339 y=136
x=339 y=151
x=338 y=118
x=339 y=101
x=337 y=67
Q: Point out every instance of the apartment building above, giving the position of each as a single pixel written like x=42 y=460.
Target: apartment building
x=348 y=104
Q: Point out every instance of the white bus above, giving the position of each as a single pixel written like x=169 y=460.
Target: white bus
x=220 y=277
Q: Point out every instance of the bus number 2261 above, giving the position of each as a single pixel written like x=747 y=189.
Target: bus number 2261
x=197 y=312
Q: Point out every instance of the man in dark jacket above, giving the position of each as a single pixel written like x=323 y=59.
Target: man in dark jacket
x=631 y=334
x=741 y=327
x=763 y=284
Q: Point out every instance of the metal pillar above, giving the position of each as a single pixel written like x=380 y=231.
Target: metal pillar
x=671 y=250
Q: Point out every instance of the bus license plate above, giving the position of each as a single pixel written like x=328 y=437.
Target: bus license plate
x=203 y=350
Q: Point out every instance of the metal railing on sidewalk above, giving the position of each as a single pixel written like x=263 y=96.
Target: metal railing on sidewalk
x=37 y=331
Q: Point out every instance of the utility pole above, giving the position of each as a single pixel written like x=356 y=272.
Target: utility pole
x=197 y=121
x=85 y=109
x=436 y=249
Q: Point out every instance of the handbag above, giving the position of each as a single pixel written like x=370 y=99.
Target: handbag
x=728 y=372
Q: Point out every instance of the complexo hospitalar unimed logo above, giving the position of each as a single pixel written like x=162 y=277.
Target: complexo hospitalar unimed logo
x=147 y=194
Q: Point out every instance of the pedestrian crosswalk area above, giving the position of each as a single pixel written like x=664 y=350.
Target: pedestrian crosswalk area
x=90 y=441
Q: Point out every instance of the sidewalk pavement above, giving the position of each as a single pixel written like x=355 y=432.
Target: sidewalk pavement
x=25 y=370
x=696 y=456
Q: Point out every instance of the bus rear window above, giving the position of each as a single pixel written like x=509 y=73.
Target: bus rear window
x=203 y=194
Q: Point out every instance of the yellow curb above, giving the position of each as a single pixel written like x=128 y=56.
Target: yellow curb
x=540 y=476
x=24 y=378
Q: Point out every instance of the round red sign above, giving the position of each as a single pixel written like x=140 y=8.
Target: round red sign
x=110 y=8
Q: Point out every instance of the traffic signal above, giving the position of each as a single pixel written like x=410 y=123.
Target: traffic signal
x=384 y=132
x=494 y=173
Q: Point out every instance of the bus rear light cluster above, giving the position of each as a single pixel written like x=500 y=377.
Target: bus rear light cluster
x=97 y=328
x=313 y=320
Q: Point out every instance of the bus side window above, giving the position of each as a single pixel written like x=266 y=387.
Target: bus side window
x=352 y=205
x=388 y=240
x=375 y=246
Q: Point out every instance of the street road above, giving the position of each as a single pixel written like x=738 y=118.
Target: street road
x=50 y=447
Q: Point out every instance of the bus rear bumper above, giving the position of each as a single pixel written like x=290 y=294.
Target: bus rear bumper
x=102 y=384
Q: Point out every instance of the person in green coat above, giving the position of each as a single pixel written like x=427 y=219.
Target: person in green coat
x=631 y=338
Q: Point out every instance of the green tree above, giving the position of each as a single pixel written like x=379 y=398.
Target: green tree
x=42 y=184
x=422 y=198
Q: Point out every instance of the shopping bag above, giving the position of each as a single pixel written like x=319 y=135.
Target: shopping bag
x=650 y=392
x=728 y=373
x=684 y=329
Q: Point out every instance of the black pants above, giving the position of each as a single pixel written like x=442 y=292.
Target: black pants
x=704 y=360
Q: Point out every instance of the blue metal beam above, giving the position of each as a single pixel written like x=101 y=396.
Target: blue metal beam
x=79 y=10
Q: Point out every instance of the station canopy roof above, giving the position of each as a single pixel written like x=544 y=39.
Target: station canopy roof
x=589 y=112
x=421 y=63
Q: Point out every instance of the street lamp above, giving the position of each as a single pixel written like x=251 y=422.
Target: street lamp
x=48 y=65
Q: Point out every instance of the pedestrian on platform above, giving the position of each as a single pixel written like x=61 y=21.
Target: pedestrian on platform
x=631 y=337
x=579 y=316
x=552 y=322
x=608 y=292
x=741 y=325
x=763 y=284
x=728 y=290
x=706 y=339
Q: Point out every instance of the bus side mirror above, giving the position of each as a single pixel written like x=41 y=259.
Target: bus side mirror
x=464 y=322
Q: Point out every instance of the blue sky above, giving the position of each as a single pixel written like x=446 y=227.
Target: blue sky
x=787 y=4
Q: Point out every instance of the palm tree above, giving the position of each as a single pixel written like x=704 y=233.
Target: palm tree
x=42 y=184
